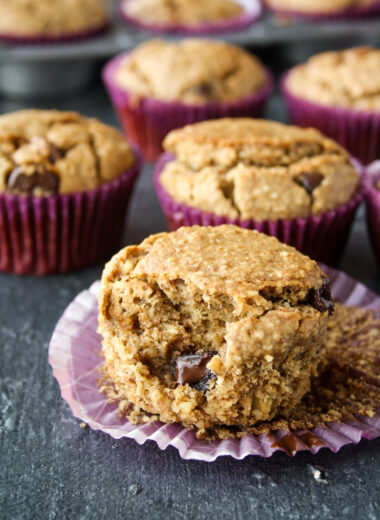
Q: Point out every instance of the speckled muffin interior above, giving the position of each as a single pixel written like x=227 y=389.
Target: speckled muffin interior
x=47 y=152
x=210 y=326
x=183 y=12
x=51 y=17
x=255 y=169
x=191 y=71
x=319 y=6
x=349 y=79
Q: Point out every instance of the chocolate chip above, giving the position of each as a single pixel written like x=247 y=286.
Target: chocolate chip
x=309 y=181
x=21 y=182
x=55 y=153
x=192 y=369
x=204 y=90
x=321 y=298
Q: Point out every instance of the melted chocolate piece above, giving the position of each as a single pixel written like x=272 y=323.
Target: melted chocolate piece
x=309 y=181
x=55 y=153
x=192 y=369
x=20 y=182
x=321 y=298
x=203 y=89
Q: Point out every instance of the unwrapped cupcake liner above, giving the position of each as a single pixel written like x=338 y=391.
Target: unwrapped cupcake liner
x=372 y=198
x=75 y=357
x=322 y=237
x=357 y=130
x=40 y=235
x=350 y=13
x=252 y=11
x=43 y=39
x=146 y=121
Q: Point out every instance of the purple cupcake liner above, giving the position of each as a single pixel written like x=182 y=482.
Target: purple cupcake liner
x=372 y=198
x=75 y=357
x=321 y=237
x=42 y=39
x=40 y=235
x=357 y=130
x=345 y=14
x=147 y=122
x=252 y=12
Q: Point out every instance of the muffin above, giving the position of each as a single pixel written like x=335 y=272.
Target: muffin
x=188 y=16
x=283 y=180
x=65 y=181
x=338 y=92
x=325 y=8
x=210 y=326
x=51 y=20
x=164 y=85
x=372 y=198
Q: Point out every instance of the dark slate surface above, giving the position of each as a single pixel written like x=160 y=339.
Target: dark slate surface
x=53 y=469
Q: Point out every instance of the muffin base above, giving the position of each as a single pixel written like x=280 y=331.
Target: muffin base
x=357 y=130
x=372 y=198
x=41 y=39
x=322 y=237
x=346 y=14
x=41 y=235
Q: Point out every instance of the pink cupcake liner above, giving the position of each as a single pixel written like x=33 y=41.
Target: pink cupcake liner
x=357 y=130
x=42 y=39
x=148 y=121
x=40 y=235
x=346 y=14
x=372 y=198
x=252 y=12
x=74 y=354
x=322 y=237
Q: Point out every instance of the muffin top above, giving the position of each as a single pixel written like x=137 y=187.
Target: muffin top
x=319 y=6
x=224 y=259
x=349 y=78
x=247 y=168
x=186 y=12
x=191 y=71
x=45 y=152
x=51 y=17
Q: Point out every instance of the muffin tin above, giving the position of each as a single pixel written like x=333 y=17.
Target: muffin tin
x=40 y=71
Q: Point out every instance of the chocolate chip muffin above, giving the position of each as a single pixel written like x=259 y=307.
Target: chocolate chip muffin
x=320 y=7
x=210 y=326
x=194 y=71
x=183 y=12
x=255 y=169
x=348 y=78
x=49 y=152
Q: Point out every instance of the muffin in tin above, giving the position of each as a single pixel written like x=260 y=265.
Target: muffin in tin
x=325 y=8
x=338 y=92
x=287 y=181
x=51 y=20
x=164 y=85
x=64 y=185
x=192 y=17
x=211 y=326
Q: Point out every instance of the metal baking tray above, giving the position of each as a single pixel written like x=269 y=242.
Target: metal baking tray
x=40 y=71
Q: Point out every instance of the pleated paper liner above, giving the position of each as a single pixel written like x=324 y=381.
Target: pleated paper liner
x=322 y=237
x=372 y=198
x=41 y=235
x=350 y=13
x=147 y=121
x=357 y=130
x=74 y=354
x=43 y=39
x=252 y=11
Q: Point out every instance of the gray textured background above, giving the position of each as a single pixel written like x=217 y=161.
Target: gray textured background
x=51 y=468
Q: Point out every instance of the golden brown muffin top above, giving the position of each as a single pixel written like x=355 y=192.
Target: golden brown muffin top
x=246 y=168
x=349 y=79
x=44 y=152
x=318 y=6
x=191 y=71
x=51 y=17
x=186 y=12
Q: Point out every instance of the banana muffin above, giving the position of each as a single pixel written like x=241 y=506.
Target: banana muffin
x=256 y=169
x=210 y=326
x=45 y=152
x=322 y=7
x=163 y=85
x=51 y=18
